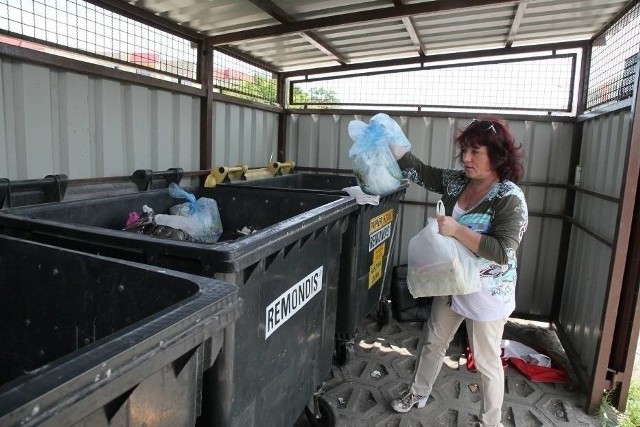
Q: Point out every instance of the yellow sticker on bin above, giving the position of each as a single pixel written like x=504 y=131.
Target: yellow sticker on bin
x=378 y=254
x=375 y=273
x=376 y=223
x=375 y=270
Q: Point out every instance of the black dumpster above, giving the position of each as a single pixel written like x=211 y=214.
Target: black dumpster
x=89 y=340
x=308 y=182
x=280 y=350
x=367 y=248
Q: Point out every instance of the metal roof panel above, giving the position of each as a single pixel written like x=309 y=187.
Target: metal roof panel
x=294 y=34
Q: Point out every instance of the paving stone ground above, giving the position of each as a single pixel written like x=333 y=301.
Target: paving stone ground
x=382 y=363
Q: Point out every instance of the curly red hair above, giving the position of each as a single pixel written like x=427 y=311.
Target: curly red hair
x=505 y=155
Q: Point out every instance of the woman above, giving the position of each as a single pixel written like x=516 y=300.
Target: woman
x=487 y=212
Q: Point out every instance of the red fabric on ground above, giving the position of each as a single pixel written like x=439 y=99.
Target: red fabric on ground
x=533 y=373
x=539 y=374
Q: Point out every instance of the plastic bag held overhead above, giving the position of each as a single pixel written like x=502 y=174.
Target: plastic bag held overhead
x=440 y=265
x=374 y=166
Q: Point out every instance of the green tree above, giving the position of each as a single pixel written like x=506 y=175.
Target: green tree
x=320 y=94
x=260 y=88
x=264 y=88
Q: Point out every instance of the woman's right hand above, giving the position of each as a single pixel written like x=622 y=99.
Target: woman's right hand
x=448 y=226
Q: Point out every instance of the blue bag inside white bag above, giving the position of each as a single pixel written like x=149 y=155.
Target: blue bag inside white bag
x=374 y=166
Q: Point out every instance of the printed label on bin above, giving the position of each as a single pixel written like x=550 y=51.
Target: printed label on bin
x=375 y=269
x=376 y=223
x=292 y=300
x=380 y=228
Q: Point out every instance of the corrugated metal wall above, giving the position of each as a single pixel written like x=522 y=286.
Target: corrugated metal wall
x=55 y=121
x=243 y=135
x=604 y=145
x=322 y=141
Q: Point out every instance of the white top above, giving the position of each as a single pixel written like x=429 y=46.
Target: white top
x=480 y=306
x=458 y=211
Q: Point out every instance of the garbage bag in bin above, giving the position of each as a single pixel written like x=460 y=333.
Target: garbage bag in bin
x=367 y=249
x=279 y=351
x=94 y=341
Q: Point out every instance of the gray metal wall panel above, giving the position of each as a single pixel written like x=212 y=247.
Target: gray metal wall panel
x=243 y=135
x=319 y=140
x=55 y=121
x=537 y=263
x=586 y=275
x=603 y=151
x=599 y=215
x=604 y=146
x=547 y=147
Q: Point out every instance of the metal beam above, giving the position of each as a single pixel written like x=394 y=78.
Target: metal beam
x=205 y=71
x=438 y=57
x=323 y=46
x=281 y=15
x=410 y=26
x=149 y=18
x=517 y=20
x=352 y=18
x=413 y=34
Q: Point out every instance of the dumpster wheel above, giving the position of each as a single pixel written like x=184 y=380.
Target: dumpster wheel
x=326 y=414
x=384 y=312
x=344 y=352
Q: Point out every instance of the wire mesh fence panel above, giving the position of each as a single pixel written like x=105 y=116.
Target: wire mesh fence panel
x=84 y=28
x=542 y=83
x=614 y=61
x=235 y=77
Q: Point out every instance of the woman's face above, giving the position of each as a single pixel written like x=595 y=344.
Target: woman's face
x=476 y=163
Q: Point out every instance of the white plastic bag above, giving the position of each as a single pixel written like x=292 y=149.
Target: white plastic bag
x=440 y=265
x=374 y=166
x=516 y=349
x=179 y=222
x=206 y=225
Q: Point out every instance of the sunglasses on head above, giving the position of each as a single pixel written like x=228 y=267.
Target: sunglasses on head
x=483 y=124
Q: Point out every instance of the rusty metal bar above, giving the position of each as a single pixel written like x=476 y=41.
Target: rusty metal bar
x=205 y=71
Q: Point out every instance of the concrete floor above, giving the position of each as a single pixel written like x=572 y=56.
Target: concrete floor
x=381 y=367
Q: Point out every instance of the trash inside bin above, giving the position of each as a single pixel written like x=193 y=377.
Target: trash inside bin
x=367 y=249
x=94 y=341
x=280 y=349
